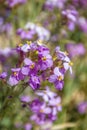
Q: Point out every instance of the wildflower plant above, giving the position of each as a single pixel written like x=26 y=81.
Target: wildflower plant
x=35 y=94
x=41 y=72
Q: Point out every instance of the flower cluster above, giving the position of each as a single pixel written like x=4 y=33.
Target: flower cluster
x=5 y=27
x=33 y=31
x=51 y=4
x=71 y=16
x=44 y=107
x=38 y=65
x=38 y=68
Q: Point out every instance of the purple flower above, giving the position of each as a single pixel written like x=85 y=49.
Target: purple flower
x=71 y=15
x=82 y=107
x=55 y=104
x=3 y=75
x=45 y=62
x=42 y=33
x=27 y=126
x=35 y=105
x=67 y=64
x=34 y=82
x=46 y=94
x=80 y=3
x=75 y=49
x=23 y=47
x=14 y=79
x=57 y=78
x=51 y=4
x=29 y=67
x=59 y=54
x=26 y=34
x=25 y=99
x=39 y=119
x=82 y=23
x=12 y=3
x=45 y=59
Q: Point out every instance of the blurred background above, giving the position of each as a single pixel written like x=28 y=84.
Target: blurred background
x=57 y=23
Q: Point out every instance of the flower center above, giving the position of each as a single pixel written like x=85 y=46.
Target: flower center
x=36 y=52
x=28 y=42
x=44 y=58
x=60 y=78
x=71 y=63
x=55 y=58
x=15 y=73
x=20 y=45
x=32 y=66
x=41 y=110
x=66 y=53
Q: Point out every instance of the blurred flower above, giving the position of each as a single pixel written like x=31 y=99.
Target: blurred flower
x=79 y=3
x=75 y=49
x=45 y=111
x=32 y=31
x=12 y=3
x=82 y=107
x=55 y=103
x=46 y=94
x=3 y=75
x=5 y=27
x=27 y=126
x=25 y=99
x=51 y=4
x=82 y=23
x=71 y=15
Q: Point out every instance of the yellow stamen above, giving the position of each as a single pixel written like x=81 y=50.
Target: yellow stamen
x=66 y=53
x=28 y=42
x=32 y=66
x=15 y=73
x=20 y=45
x=60 y=78
x=71 y=63
x=36 y=52
x=54 y=58
x=44 y=58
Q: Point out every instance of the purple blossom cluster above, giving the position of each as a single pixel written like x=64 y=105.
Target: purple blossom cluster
x=12 y=3
x=33 y=32
x=68 y=13
x=51 y=4
x=35 y=67
x=5 y=27
x=71 y=16
x=79 y=3
x=44 y=107
x=39 y=65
